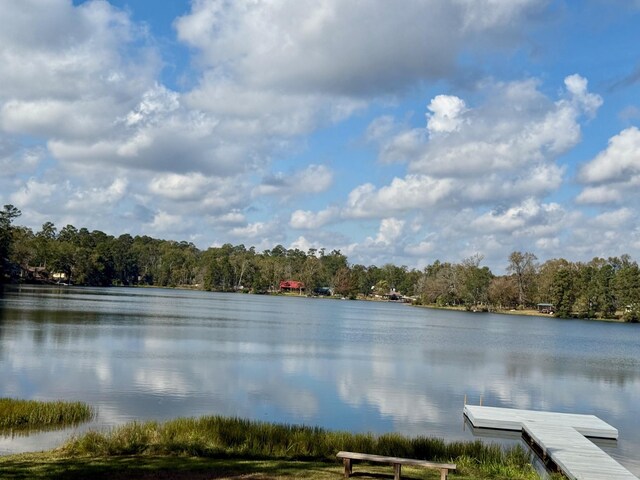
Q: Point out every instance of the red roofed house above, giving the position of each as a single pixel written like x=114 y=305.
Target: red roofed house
x=290 y=285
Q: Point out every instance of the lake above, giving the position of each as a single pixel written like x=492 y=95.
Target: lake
x=351 y=365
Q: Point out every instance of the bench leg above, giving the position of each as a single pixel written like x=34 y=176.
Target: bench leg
x=347 y=467
x=396 y=471
x=444 y=472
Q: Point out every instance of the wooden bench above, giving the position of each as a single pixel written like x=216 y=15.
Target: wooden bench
x=397 y=463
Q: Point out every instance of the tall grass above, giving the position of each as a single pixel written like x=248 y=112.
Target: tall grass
x=33 y=414
x=217 y=436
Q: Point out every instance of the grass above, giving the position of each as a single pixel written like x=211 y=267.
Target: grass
x=33 y=414
x=221 y=447
x=216 y=436
x=53 y=465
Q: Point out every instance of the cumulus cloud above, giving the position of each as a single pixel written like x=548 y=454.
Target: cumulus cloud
x=402 y=195
x=599 y=195
x=516 y=126
x=313 y=179
x=528 y=218
x=620 y=162
x=306 y=219
x=282 y=68
x=420 y=249
x=98 y=197
x=33 y=192
x=613 y=219
x=308 y=46
x=256 y=230
x=446 y=114
x=175 y=186
x=503 y=150
x=42 y=200
x=390 y=230
x=79 y=75
x=166 y=222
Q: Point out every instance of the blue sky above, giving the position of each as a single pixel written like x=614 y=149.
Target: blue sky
x=399 y=132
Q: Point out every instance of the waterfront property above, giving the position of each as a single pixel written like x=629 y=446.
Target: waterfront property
x=559 y=438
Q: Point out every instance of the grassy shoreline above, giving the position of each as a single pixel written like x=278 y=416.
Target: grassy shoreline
x=223 y=447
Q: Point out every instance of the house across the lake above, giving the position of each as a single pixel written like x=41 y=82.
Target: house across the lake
x=291 y=285
x=323 y=291
x=546 y=308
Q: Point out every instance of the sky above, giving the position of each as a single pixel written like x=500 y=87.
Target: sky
x=399 y=132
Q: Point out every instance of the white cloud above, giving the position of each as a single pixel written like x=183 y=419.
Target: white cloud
x=402 y=195
x=537 y=180
x=313 y=179
x=420 y=249
x=577 y=87
x=175 y=186
x=98 y=197
x=305 y=219
x=155 y=102
x=33 y=193
x=613 y=219
x=620 y=162
x=516 y=126
x=403 y=147
x=486 y=14
x=391 y=229
x=72 y=51
x=231 y=218
x=529 y=218
x=65 y=201
x=599 y=195
x=166 y=222
x=303 y=244
x=446 y=114
x=275 y=70
x=380 y=128
x=327 y=46
x=255 y=230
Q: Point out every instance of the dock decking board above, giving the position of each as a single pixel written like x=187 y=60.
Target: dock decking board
x=560 y=436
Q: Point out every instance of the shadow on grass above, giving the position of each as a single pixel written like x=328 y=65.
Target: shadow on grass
x=152 y=468
x=48 y=467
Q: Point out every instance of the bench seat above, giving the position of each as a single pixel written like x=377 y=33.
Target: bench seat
x=397 y=463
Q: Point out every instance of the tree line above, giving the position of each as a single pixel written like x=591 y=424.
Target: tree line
x=601 y=288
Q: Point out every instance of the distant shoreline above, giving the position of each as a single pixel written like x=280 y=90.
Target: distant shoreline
x=526 y=313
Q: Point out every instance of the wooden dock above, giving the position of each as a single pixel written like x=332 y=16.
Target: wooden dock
x=558 y=438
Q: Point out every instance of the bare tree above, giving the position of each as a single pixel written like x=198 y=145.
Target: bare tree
x=523 y=266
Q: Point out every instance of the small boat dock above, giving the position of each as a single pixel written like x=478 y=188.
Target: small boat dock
x=559 y=438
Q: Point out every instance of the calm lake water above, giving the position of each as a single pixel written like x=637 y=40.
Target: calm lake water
x=357 y=366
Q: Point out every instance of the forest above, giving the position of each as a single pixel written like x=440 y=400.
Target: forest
x=601 y=288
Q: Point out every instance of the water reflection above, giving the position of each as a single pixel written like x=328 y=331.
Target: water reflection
x=359 y=366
